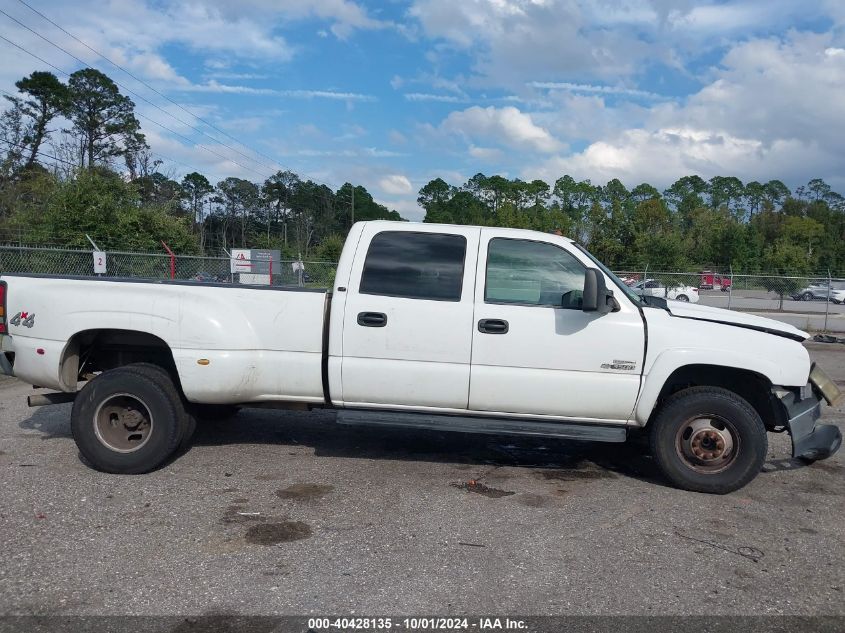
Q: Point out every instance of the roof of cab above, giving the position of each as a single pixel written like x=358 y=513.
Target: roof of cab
x=525 y=233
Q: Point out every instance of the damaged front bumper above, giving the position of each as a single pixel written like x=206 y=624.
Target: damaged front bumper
x=803 y=410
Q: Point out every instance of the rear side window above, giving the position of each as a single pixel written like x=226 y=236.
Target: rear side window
x=415 y=265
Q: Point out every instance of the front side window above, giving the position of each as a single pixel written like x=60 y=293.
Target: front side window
x=415 y=265
x=532 y=273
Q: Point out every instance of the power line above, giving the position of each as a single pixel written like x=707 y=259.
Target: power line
x=158 y=155
x=153 y=121
x=164 y=127
x=129 y=90
x=272 y=160
x=40 y=153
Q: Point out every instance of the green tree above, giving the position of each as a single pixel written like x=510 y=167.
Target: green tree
x=103 y=119
x=725 y=191
x=277 y=190
x=44 y=98
x=783 y=260
x=14 y=130
x=686 y=193
x=754 y=194
x=435 y=197
x=195 y=191
x=330 y=248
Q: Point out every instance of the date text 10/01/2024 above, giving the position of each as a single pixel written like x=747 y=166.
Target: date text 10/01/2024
x=416 y=624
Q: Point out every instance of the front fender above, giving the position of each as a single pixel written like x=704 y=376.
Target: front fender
x=785 y=368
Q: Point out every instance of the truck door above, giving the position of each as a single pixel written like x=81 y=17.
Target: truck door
x=408 y=317
x=534 y=351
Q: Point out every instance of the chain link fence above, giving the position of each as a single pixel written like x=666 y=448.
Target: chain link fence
x=57 y=261
x=812 y=302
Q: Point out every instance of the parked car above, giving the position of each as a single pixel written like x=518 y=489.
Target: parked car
x=205 y=277
x=655 y=288
x=820 y=292
x=711 y=280
x=447 y=328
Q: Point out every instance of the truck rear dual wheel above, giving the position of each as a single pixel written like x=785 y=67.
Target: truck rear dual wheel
x=130 y=420
x=708 y=439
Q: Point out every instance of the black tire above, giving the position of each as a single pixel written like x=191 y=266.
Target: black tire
x=214 y=411
x=165 y=381
x=682 y=298
x=111 y=390
x=687 y=427
x=807 y=296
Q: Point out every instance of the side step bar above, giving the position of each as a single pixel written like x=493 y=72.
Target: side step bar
x=490 y=426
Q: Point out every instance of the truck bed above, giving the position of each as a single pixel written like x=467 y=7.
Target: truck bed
x=262 y=343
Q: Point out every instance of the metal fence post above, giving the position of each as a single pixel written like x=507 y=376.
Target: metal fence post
x=300 y=267
x=731 y=287
x=172 y=260
x=827 y=303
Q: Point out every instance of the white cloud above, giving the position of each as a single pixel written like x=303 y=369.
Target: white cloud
x=592 y=88
x=512 y=39
x=772 y=110
x=396 y=184
x=326 y=94
x=718 y=19
x=396 y=137
x=508 y=126
x=408 y=208
x=424 y=96
x=215 y=86
x=345 y=16
x=487 y=154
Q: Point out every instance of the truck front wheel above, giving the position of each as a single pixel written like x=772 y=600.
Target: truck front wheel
x=127 y=422
x=708 y=439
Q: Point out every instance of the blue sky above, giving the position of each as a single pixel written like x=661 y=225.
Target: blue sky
x=392 y=94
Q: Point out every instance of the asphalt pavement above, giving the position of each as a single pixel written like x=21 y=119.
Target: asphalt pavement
x=276 y=512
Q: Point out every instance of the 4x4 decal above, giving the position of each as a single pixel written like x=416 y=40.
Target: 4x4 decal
x=23 y=318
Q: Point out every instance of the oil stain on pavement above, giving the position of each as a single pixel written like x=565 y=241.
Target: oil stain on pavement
x=304 y=492
x=275 y=533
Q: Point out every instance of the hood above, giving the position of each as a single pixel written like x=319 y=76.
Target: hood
x=738 y=319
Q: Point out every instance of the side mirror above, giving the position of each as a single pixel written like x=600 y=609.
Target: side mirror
x=597 y=297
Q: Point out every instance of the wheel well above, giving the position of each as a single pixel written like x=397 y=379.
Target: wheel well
x=753 y=387
x=92 y=351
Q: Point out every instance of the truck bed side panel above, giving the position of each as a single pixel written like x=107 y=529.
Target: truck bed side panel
x=262 y=343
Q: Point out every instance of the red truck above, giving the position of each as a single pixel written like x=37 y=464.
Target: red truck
x=710 y=280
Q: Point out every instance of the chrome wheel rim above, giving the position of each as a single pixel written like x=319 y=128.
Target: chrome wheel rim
x=123 y=423
x=707 y=443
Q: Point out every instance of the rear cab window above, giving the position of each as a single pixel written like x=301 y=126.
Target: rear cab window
x=415 y=265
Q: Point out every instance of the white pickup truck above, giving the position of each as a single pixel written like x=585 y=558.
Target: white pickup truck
x=453 y=328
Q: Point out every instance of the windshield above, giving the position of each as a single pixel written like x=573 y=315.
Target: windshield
x=622 y=286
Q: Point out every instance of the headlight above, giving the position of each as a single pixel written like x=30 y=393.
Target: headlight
x=828 y=389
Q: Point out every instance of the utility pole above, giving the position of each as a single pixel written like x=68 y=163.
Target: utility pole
x=353 y=204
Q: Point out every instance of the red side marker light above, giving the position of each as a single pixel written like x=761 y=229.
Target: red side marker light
x=40 y=351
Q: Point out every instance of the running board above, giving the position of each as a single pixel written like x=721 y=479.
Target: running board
x=490 y=426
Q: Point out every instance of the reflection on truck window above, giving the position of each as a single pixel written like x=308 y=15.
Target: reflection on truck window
x=415 y=265
x=532 y=273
